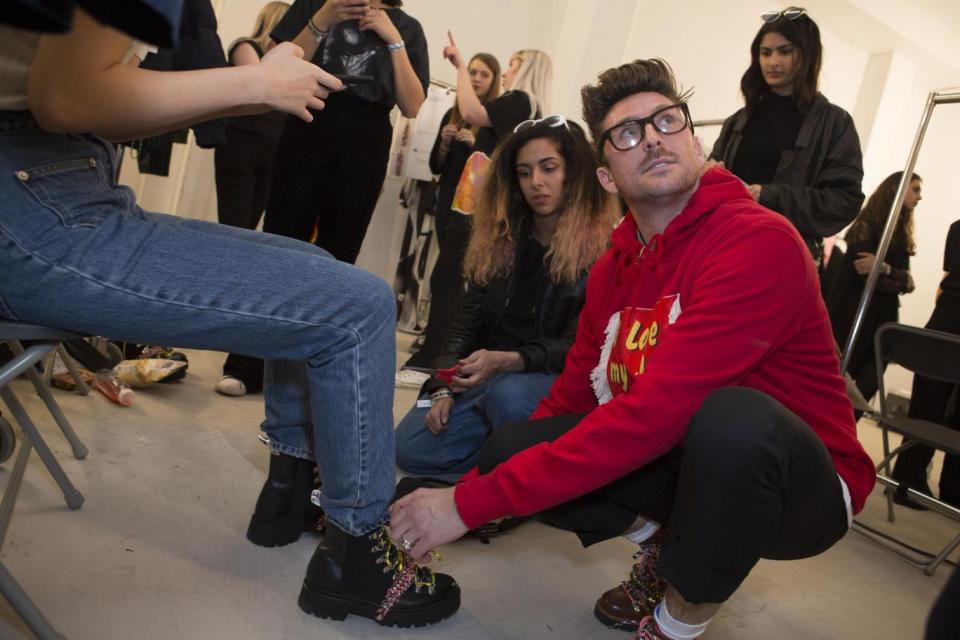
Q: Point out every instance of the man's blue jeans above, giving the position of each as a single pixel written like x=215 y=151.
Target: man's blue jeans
x=76 y=252
x=505 y=398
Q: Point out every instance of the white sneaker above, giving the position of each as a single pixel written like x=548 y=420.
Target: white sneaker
x=230 y=386
x=412 y=379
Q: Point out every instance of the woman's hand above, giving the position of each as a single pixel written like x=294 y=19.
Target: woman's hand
x=447 y=134
x=424 y=520
x=293 y=85
x=755 y=190
x=864 y=262
x=466 y=137
x=480 y=365
x=379 y=21
x=439 y=415
x=333 y=12
x=452 y=53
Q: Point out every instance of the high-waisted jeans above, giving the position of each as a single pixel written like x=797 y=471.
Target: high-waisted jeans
x=76 y=252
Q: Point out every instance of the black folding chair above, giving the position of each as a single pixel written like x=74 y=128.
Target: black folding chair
x=933 y=354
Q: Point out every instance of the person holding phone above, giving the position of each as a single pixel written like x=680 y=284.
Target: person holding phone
x=542 y=220
x=328 y=173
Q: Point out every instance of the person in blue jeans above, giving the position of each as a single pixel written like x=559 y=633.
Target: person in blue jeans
x=542 y=220
x=76 y=252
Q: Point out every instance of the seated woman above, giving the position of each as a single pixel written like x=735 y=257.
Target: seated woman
x=542 y=220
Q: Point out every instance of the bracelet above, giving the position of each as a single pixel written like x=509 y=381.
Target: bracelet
x=441 y=394
x=396 y=46
x=317 y=33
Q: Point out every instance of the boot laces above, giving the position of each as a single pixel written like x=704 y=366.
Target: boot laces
x=645 y=587
x=406 y=571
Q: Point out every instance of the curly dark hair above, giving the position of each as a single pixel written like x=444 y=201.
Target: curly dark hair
x=873 y=217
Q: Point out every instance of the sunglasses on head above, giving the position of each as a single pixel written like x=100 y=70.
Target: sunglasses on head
x=549 y=121
x=790 y=13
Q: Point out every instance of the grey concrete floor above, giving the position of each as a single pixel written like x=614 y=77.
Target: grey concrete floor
x=158 y=549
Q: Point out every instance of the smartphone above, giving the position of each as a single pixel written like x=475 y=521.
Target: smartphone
x=350 y=78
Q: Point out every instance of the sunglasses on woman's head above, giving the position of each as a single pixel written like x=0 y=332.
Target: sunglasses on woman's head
x=549 y=121
x=790 y=13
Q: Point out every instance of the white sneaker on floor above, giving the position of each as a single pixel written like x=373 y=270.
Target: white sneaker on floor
x=412 y=379
x=230 y=386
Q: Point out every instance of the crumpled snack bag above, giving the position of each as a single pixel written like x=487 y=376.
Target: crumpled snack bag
x=146 y=371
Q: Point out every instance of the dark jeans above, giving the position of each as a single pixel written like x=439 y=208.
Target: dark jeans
x=446 y=289
x=935 y=401
x=328 y=175
x=751 y=480
x=243 y=167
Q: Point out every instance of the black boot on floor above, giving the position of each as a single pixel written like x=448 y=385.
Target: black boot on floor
x=284 y=509
x=369 y=576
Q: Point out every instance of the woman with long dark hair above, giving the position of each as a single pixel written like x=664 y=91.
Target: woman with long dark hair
x=798 y=154
x=542 y=220
x=527 y=83
x=850 y=275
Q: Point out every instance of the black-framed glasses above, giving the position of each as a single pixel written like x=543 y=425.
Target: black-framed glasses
x=790 y=13
x=549 y=121
x=627 y=135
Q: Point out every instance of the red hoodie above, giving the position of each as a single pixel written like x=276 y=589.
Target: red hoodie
x=739 y=306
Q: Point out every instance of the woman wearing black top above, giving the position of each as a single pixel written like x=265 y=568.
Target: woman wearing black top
x=931 y=399
x=328 y=173
x=798 y=153
x=527 y=82
x=851 y=271
x=243 y=165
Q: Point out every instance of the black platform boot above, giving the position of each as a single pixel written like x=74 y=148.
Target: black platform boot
x=284 y=510
x=369 y=576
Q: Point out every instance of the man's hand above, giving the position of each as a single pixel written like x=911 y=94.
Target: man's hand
x=427 y=518
x=333 y=12
x=452 y=53
x=380 y=23
x=439 y=415
x=293 y=85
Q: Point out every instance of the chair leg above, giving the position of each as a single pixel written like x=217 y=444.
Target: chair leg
x=25 y=608
x=13 y=487
x=80 y=450
x=947 y=550
x=72 y=497
x=71 y=365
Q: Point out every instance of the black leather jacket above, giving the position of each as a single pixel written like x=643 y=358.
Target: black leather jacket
x=482 y=309
x=817 y=185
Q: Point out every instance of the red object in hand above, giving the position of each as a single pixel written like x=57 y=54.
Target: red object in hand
x=446 y=374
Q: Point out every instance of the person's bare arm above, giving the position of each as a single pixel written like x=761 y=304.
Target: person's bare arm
x=470 y=106
x=78 y=85
x=244 y=53
x=409 y=90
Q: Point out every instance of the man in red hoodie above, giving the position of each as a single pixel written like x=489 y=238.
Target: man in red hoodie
x=700 y=412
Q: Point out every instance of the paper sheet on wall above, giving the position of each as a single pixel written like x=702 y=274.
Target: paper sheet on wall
x=413 y=137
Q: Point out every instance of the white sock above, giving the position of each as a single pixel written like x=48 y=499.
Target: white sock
x=673 y=628
x=643 y=533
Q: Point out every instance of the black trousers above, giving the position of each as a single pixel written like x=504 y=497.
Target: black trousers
x=751 y=480
x=935 y=401
x=328 y=175
x=446 y=288
x=243 y=166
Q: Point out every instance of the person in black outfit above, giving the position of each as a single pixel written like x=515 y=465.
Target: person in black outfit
x=798 y=153
x=853 y=267
x=243 y=166
x=457 y=137
x=527 y=81
x=541 y=222
x=328 y=173
x=932 y=399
